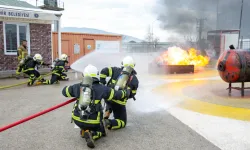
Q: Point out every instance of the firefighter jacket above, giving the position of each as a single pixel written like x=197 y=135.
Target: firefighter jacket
x=22 y=52
x=114 y=73
x=99 y=92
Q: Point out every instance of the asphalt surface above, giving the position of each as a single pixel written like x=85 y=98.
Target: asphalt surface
x=148 y=127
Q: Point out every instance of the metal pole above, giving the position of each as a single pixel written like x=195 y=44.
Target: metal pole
x=240 y=22
x=217 y=15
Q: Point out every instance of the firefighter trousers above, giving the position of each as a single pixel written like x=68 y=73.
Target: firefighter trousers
x=33 y=75
x=19 y=69
x=97 y=130
x=120 y=115
x=55 y=78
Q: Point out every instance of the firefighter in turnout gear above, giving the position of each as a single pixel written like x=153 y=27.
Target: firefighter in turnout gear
x=58 y=70
x=118 y=107
x=29 y=66
x=22 y=53
x=87 y=113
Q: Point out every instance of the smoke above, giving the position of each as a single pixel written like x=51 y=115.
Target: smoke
x=110 y=59
x=180 y=16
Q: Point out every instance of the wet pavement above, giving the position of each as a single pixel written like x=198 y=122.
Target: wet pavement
x=150 y=125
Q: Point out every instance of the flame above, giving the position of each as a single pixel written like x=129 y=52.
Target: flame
x=178 y=56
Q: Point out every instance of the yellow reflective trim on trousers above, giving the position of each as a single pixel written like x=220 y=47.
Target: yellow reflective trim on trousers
x=98 y=135
x=67 y=91
x=110 y=71
x=119 y=124
x=29 y=69
x=89 y=121
x=113 y=81
x=123 y=124
x=123 y=94
x=120 y=102
x=56 y=73
x=112 y=92
x=97 y=101
x=103 y=76
x=133 y=91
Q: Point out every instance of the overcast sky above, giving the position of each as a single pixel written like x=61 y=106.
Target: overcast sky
x=130 y=17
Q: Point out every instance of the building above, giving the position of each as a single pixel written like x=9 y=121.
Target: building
x=229 y=12
x=20 y=20
x=76 y=45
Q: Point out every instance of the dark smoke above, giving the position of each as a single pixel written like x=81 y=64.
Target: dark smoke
x=180 y=16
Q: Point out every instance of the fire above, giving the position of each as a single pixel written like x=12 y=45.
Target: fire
x=178 y=56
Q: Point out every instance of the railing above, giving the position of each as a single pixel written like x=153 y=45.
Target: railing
x=41 y=4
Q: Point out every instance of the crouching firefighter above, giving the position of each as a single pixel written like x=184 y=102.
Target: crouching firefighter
x=87 y=113
x=29 y=68
x=58 y=70
x=120 y=78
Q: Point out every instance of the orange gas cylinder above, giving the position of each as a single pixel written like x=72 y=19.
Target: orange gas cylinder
x=234 y=66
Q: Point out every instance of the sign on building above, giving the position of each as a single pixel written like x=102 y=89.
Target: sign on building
x=88 y=46
x=76 y=49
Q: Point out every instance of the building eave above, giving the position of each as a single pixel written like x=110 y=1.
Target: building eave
x=31 y=9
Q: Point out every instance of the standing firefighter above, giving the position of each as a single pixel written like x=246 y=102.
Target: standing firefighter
x=22 y=53
x=29 y=68
x=58 y=70
x=120 y=78
x=87 y=113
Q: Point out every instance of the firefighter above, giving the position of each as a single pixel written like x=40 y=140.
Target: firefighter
x=58 y=70
x=29 y=68
x=116 y=106
x=87 y=113
x=22 y=53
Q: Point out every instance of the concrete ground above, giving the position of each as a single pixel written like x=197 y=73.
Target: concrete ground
x=150 y=124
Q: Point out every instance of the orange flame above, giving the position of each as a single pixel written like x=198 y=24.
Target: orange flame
x=178 y=56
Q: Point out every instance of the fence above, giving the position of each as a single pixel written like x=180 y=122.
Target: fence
x=145 y=47
x=39 y=3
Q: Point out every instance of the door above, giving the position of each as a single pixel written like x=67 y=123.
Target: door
x=65 y=49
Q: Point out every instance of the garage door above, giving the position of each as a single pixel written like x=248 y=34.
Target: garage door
x=108 y=46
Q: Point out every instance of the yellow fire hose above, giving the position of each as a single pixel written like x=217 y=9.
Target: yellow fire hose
x=13 y=85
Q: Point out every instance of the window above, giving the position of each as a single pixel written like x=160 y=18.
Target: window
x=13 y=35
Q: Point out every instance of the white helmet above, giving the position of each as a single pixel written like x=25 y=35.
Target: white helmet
x=128 y=61
x=63 y=57
x=91 y=71
x=38 y=57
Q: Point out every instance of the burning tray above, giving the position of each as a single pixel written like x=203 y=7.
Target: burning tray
x=171 y=69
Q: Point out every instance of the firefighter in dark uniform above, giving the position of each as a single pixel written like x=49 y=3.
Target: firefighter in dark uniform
x=22 y=53
x=118 y=107
x=29 y=68
x=90 y=122
x=58 y=70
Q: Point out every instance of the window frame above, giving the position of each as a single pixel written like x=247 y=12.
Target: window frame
x=18 y=38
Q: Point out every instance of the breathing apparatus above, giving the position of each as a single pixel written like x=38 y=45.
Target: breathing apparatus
x=85 y=97
x=124 y=77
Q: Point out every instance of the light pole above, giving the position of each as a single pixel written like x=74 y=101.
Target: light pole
x=153 y=29
x=240 y=23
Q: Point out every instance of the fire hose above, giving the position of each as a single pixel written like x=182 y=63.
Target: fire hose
x=36 y=115
x=13 y=85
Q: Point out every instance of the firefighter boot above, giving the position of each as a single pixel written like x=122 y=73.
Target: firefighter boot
x=82 y=133
x=89 y=139
x=107 y=124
